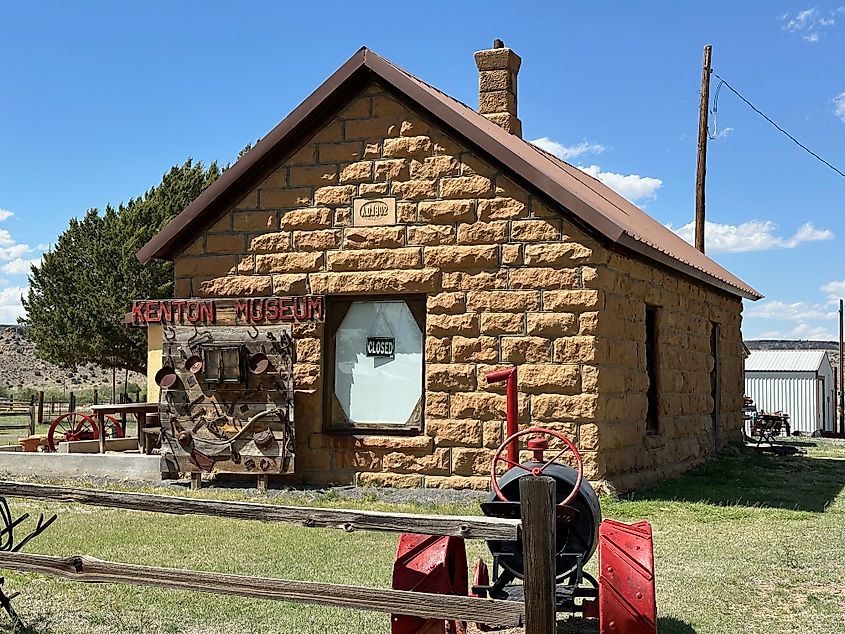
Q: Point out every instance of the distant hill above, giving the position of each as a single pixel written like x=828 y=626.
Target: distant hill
x=20 y=368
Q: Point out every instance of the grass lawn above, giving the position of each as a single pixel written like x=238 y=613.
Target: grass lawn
x=744 y=543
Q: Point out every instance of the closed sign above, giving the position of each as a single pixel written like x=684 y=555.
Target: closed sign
x=381 y=347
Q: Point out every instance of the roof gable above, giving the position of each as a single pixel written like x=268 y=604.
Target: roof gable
x=595 y=204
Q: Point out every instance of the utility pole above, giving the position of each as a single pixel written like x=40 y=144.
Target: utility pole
x=841 y=375
x=703 y=131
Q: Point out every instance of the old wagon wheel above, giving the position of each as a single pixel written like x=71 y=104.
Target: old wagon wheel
x=113 y=427
x=70 y=427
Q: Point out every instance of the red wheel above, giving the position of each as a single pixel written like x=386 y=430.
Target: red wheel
x=70 y=427
x=113 y=427
x=536 y=471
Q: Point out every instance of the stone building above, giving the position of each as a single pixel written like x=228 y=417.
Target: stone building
x=438 y=227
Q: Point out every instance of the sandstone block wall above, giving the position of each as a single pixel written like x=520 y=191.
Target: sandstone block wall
x=507 y=280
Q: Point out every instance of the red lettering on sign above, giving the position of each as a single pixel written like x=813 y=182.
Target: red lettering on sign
x=137 y=313
x=301 y=309
x=285 y=309
x=256 y=311
x=151 y=313
x=207 y=312
x=315 y=307
x=248 y=310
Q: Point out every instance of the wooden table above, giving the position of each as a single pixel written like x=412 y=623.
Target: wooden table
x=139 y=409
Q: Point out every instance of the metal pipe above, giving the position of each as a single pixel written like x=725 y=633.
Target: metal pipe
x=509 y=375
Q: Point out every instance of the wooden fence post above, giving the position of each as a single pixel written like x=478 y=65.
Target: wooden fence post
x=96 y=397
x=71 y=404
x=537 y=507
x=33 y=414
x=40 y=407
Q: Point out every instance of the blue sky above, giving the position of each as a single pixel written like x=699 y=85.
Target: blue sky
x=98 y=99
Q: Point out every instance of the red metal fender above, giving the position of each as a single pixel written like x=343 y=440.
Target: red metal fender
x=627 y=602
x=428 y=563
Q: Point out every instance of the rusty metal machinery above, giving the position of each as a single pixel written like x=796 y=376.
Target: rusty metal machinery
x=75 y=426
x=226 y=403
x=621 y=597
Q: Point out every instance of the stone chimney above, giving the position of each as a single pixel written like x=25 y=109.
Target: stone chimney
x=497 y=69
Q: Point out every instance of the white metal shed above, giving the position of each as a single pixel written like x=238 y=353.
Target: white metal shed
x=795 y=382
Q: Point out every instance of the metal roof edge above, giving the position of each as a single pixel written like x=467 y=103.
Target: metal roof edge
x=160 y=245
x=655 y=254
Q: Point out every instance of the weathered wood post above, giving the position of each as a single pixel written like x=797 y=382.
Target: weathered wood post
x=33 y=414
x=40 y=407
x=96 y=397
x=537 y=502
x=71 y=403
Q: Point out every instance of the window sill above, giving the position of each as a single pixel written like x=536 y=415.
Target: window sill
x=373 y=430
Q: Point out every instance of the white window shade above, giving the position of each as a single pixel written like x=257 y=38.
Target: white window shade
x=378 y=390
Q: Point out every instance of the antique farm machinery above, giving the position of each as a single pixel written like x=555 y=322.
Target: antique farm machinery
x=621 y=596
x=78 y=426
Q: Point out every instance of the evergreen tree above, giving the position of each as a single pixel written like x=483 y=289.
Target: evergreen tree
x=82 y=290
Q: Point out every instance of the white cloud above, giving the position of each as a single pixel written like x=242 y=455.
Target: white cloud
x=567 y=152
x=839 y=106
x=835 y=290
x=810 y=23
x=19 y=266
x=632 y=186
x=796 y=311
x=10 y=304
x=754 y=235
x=12 y=252
x=724 y=133
x=5 y=214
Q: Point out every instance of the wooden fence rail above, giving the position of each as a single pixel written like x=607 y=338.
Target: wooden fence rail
x=90 y=570
x=537 y=612
x=348 y=520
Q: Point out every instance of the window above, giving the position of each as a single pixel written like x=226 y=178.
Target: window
x=223 y=365
x=374 y=364
x=715 y=381
x=651 y=420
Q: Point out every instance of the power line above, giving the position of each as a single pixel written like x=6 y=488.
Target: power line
x=780 y=129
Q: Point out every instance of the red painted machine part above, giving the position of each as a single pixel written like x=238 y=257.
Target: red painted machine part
x=480 y=577
x=509 y=375
x=511 y=443
x=627 y=603
x=429 y=563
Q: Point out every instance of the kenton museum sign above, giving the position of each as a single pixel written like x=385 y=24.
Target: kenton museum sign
x=248 y=310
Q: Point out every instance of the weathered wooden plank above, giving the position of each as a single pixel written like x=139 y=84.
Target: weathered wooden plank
x=89 y=570
x=346 y=519
x=537 y=498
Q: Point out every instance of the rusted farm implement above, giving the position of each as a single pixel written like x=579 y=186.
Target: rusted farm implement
x=622 y=598
x=75 y=426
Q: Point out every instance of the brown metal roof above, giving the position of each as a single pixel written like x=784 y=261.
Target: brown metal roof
x=595 y=204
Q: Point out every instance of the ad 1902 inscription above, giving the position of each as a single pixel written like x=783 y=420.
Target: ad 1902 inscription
x=370 y=212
